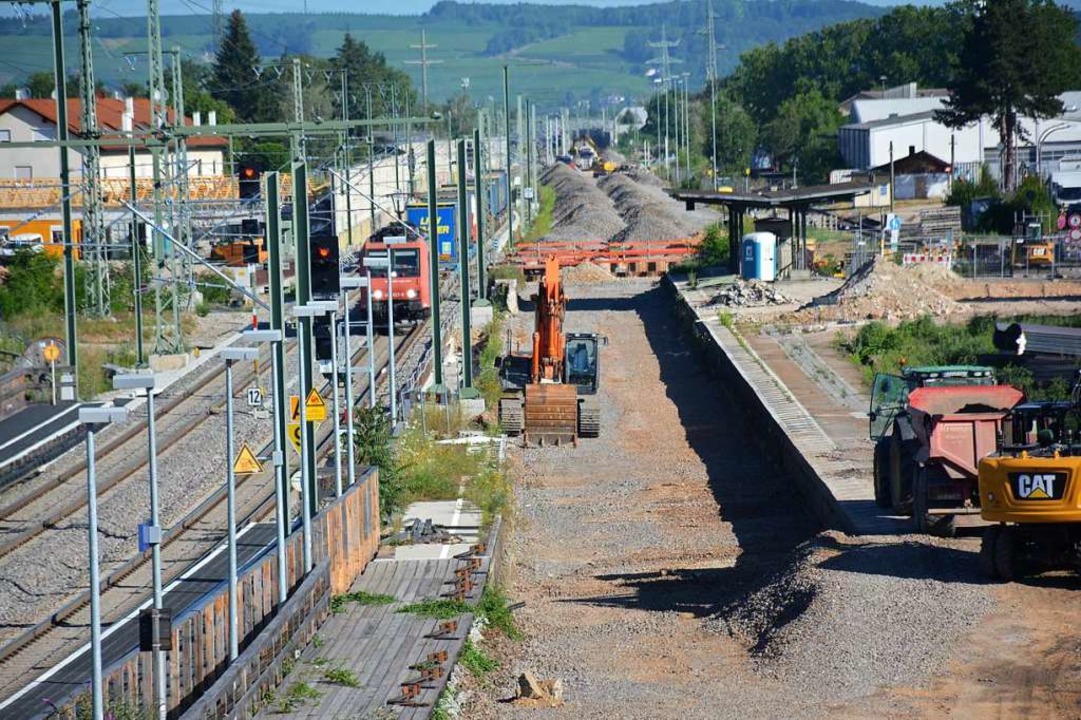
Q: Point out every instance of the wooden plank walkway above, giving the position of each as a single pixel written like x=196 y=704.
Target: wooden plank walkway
x=845 y=485
x=379 y=644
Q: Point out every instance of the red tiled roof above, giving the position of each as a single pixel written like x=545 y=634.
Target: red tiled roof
x=110 y=112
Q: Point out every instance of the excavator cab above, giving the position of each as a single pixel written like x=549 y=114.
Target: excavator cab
x=582 y=364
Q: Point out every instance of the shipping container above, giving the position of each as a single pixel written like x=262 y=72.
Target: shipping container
x=446 y=228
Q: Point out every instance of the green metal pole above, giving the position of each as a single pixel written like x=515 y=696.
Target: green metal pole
x=277 y=320
x=136 y=264
x=478 y=184
x=463 y=265
x=433 y=242
x=371 y=167
x=301 y=230
x=506 y=124
x=70 y=303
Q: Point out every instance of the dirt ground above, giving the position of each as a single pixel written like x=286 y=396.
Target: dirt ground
x=669 y=570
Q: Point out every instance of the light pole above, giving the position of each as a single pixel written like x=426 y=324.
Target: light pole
x=95 y=418
x=1041 y=136
x=387 y=264
x=371 y=340
x=311 y=310
x=347 y=284
x=231 y=355
x=145 y=381
x=255 y=337
x=331 y=308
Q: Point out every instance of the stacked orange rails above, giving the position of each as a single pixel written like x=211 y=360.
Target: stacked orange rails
x=548 y=339
x=638 y=258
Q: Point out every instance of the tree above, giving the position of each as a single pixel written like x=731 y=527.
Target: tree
x=235 y=78
x=805 y=131
x=367 y=75
x=1017 y=56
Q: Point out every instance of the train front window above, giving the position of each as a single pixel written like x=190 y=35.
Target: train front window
x=406 y=262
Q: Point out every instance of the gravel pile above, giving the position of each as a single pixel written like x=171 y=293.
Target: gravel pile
x=749 y=293
x=649 y=212
x=587 y=272
x=847 y=616
x=582 y=211
x=883 y=289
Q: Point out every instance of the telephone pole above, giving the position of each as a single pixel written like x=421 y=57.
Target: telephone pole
x=424 y=62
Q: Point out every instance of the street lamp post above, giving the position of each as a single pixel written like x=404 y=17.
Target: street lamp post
x=280 y=503
x=231 y=355
x=348 y=283
x=95 y=418
x=145 y=382
x=1040 y=137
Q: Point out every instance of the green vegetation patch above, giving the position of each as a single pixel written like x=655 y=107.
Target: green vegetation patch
x=341 y=676
x=360 y=597
x=475 y=660
x=495 y=608
x=442 y=609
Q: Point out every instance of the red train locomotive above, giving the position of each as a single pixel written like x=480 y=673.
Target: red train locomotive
x=412 y=273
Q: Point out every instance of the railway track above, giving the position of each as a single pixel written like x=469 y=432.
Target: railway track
x=45 y=504
x=196 y=535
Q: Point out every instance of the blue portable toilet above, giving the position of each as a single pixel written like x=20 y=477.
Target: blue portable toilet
x=758 y=258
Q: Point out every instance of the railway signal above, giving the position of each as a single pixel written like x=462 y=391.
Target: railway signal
x=324 y=268
x=249 y=183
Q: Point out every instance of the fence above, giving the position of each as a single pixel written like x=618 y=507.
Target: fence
x=345 y=535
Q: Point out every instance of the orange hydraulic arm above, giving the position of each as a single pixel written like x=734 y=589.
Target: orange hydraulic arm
x=548 y=338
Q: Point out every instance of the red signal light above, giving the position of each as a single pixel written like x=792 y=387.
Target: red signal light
x=249 y=172
x=323 y=252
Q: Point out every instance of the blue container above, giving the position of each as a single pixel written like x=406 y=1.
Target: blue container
x=446 y=228
x=758 y=257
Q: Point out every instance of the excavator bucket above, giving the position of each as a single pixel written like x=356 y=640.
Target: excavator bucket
x=551 y=413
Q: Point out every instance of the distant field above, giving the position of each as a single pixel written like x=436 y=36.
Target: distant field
x=552 y=71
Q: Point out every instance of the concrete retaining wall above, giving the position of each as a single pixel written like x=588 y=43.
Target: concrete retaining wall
x=755 y=412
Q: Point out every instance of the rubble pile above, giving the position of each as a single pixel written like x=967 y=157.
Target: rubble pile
x=587 y=272
x=749 y=293
x=884 y=290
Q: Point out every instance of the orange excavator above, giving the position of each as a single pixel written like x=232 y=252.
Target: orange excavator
x=549 y=396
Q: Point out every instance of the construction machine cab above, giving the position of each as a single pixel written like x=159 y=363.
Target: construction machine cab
x=889 y=392
x=582 y=364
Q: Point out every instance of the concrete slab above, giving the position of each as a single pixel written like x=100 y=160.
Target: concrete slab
x=816 y=445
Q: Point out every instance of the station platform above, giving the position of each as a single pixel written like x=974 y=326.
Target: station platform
x=815 y=412
x=35 y=430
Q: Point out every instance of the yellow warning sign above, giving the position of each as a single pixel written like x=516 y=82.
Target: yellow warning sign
x=293 y=431
x=51 y=353
x=246 y=463
x=294 y=408
x=315 y=410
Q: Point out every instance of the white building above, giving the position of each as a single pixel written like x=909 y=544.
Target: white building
x=908 y=124
x=35 y=120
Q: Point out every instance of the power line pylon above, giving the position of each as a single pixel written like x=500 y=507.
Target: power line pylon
x=424 y=62
x=94 y=244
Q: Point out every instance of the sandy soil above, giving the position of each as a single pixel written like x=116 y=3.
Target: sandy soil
x=634 y=551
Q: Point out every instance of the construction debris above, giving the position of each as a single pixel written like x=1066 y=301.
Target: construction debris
x=749 y=293
x=538 y=693
x=425 y=532
x=881 y=289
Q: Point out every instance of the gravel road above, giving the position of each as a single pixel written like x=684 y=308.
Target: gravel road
x=669 y=570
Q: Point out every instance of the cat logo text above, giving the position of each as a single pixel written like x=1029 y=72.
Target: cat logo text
x=1038 y=486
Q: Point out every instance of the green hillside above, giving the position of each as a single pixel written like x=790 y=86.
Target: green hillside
x=558 y=55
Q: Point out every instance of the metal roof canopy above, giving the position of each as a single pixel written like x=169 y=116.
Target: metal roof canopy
x=798 y=201
x=790 y=199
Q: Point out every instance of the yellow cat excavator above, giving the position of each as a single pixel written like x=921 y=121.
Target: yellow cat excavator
x=549 y=396
x=1032 y=488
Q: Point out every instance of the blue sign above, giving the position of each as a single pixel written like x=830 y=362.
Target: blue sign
x=446 y=214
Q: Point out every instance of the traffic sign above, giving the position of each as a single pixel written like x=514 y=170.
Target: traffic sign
x=294 y=408
x=893 y=222
x=1061 y=221
x=1075 y=220
x=1075 y=234
x=51 y=353
x=255 y=397
x=246 y=463
x=315 y=409
x=293 y=431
